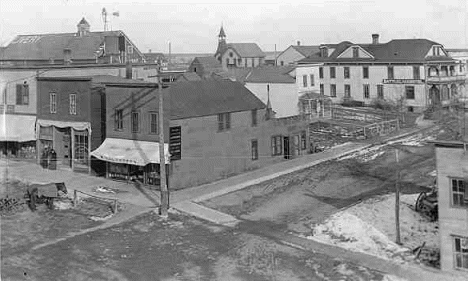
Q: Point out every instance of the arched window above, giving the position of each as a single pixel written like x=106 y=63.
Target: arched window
x=453 y=90
x=445 y=92
x=433 y=71
x=452 y=70
x=444 y=71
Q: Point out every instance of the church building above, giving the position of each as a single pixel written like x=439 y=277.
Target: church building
x=238 y=55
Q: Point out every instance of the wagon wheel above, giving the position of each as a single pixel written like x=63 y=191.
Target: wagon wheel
x=419 y=202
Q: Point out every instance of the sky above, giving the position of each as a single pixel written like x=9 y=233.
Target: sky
x=193 y=27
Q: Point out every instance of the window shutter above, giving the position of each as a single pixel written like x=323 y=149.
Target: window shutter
x=19 y=94
x=228 y=120
x=465 y=195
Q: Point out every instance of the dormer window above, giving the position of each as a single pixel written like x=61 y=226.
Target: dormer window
x=355 y=52
x=436 y=51
x=324 y=52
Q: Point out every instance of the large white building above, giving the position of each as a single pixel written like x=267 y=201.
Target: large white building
x=418 y=71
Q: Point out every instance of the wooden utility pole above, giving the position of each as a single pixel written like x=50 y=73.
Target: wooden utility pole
x=162 y=158
x=397 y=199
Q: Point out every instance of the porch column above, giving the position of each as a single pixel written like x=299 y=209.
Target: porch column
x=72 y=135
x=89 y=151
x=38 y=127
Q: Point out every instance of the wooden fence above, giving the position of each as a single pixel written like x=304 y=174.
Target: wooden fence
x=365 y=115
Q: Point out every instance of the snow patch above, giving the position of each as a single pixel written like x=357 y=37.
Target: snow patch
x=369 y=227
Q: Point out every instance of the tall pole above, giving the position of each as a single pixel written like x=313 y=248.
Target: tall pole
x=162 y=158
x=397 y=199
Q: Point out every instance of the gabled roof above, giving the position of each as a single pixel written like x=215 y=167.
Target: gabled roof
x=51 y=46
x=109 y=79
x=247 y=50
x=210 y=97
x=396 y=50
x=189 y=76
x=306 y=50
x=83 y=21
x=270 y=75
x=209 y=64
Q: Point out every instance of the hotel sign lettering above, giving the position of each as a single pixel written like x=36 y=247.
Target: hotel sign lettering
x=175 y=143
x=403 y=81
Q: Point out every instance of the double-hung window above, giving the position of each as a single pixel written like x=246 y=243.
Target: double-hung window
x=53 y=102
x=332 y=90
x=380 y=91
x=304 y=81
x=332 y=72
x=461 y=252
x=254 y=145
x=312 y=80
x=276 y=145
x=346 y=72
x=154 y=122
x=72 y=104
x=118 y=119
x=224 y=121
x=459 y=193
x=409 y=91
x=135 y=116
x=366 y=90
x=22 y=94
x=365 y=72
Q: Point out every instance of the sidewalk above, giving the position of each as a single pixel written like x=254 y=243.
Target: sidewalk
x=207 y=191
x=33 y=173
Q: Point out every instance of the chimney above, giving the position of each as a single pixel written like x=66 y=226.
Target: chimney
x=375 y=38
x=298 y=43
x=128 y=70
x=67 y=56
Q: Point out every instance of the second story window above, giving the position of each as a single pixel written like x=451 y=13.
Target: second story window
x=365 y=72
x=254 y=117
x=390 y=72
x=224 y=121
x=22 y=94
x=118 y=119
x=321 y=72
x=135 y=116
x=346 y=72
x=304 y=81
x=73 y=104
x=53 y=102
x=459 y=193
x=332 y=72
x=154 y=122
x=312 y=80
x=416 y=74
x=322 y=89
